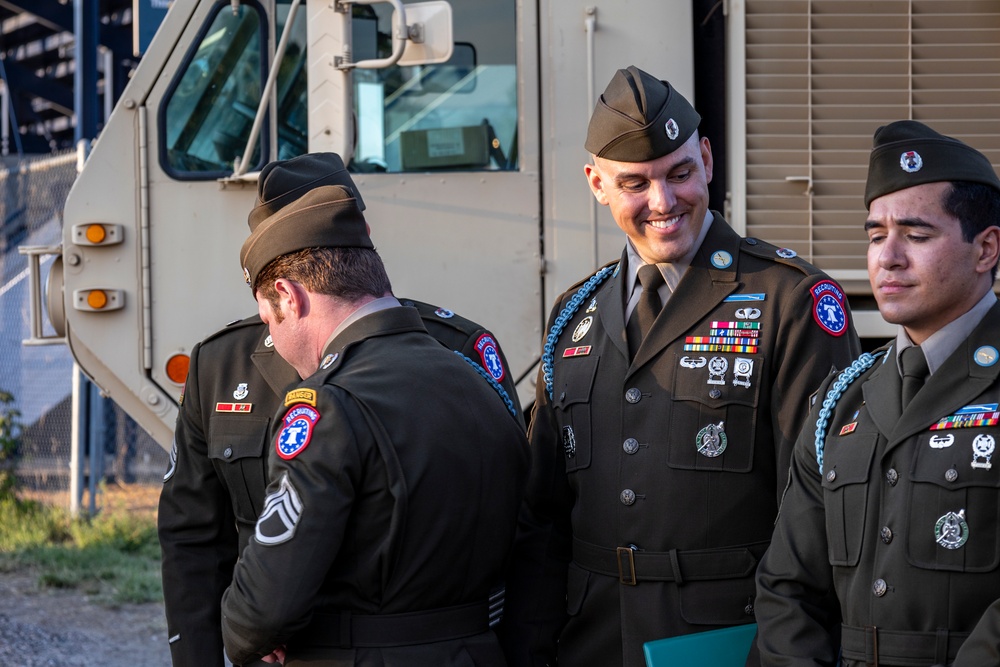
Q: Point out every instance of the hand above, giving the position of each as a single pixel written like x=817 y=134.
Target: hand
x=276 y=656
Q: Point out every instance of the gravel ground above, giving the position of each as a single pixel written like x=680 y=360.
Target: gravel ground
x=63 y=628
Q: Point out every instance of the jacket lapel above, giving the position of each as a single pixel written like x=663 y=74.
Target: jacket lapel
x=957 y=383
x=611 y=306
x=275 y=370
x=699 y=292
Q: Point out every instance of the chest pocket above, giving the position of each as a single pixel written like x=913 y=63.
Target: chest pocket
x=846 y=468
x=713 y=415
x=237 y=446
x=574 y=382
x=954 y=508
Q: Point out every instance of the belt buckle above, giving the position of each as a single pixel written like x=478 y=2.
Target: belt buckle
x=631 y=581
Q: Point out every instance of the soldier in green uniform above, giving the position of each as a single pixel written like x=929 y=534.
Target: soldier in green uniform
x=893 y=499
x=214 y=489
x=395 y=474
x=673 y=384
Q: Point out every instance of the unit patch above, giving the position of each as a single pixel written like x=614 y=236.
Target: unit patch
x=296 y=431
x=281 y=514
x=828 y=307
x=301 y=396
x=486 y=346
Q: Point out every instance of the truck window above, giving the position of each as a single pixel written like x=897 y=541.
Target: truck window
x=461 y=114
x=210 y=108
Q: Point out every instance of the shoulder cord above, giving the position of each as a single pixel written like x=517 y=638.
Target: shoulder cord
x=565 y=316
x=846 y=377
x=489 y=378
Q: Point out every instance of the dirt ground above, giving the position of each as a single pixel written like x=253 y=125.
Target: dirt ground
x=44 y=627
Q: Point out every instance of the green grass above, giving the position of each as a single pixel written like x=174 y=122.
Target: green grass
x=114 y=556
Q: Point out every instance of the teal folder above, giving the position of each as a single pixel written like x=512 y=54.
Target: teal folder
x=727 y=647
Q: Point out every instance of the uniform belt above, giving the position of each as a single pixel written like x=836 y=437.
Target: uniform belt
x=874 y=646
x=632 y=565
x=343 y=629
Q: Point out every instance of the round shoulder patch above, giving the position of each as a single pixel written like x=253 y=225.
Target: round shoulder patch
x=489 y=354
x=296 y=430
x=828 y=307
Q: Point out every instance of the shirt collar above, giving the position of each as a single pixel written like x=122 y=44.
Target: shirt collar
x=939 y=346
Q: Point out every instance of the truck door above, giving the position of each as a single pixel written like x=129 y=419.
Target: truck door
x=445 y=164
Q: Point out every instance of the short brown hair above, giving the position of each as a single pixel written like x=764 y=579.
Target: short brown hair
x=346 y=273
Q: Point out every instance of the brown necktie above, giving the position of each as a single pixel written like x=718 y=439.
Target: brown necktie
x=646 y=309
x=915 y=371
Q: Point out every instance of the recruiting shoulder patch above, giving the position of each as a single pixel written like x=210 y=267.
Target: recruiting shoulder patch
x=486 y=346
x=296 y=431
x=828 y=307
x=301 y=396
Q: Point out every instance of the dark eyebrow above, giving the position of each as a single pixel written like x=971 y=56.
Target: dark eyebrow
x=627 y=175
x=913 y=223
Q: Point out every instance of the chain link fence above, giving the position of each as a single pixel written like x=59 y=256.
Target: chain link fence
x=33 y=191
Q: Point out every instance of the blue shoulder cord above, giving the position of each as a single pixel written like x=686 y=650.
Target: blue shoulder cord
x=489 y=378
x=565 y=316
x=846 y=377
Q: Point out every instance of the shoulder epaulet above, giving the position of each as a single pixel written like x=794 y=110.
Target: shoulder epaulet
x=443 y=315
x=235 y=325
x=787 y=256
x=575 y=286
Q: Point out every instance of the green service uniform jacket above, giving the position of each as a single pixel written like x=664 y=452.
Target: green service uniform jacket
x=655 y=484
x=396 y=476
x=902 y=519
x=214 y=489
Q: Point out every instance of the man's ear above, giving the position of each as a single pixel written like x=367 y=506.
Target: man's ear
x=292 y=297
x=988 y=244
x=596 y=182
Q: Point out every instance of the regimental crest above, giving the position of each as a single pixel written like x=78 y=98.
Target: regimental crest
x=911 y=162
x=828 y=307
x=672 y=129
x=296 y=431
x=241 y=391
x=281 y=514
x=444 y=313
x=486 y=346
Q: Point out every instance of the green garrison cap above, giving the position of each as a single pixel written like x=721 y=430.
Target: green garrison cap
x=305 y=202
x=639 y=118
x=908 y=153
x=283 y=181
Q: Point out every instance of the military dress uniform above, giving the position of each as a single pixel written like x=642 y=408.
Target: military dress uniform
x=898 y=510
x=396 y=476
x=213 y=492
x=655 y=483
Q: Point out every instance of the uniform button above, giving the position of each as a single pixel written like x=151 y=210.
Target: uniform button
x=228 y=452
x=886 y=534
x=715 y=393
x=633 y=395
x=879 y=588
x=832 y=475
x=751 y=241
x=627 y=497
x=951 y=475
x=631 y=446
x=891 y=476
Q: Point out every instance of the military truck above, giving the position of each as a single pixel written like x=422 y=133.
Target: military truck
x=464 y=123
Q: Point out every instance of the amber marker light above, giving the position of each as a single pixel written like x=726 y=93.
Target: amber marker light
x=96 y=233
x=177 y=368
x=97 y=299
